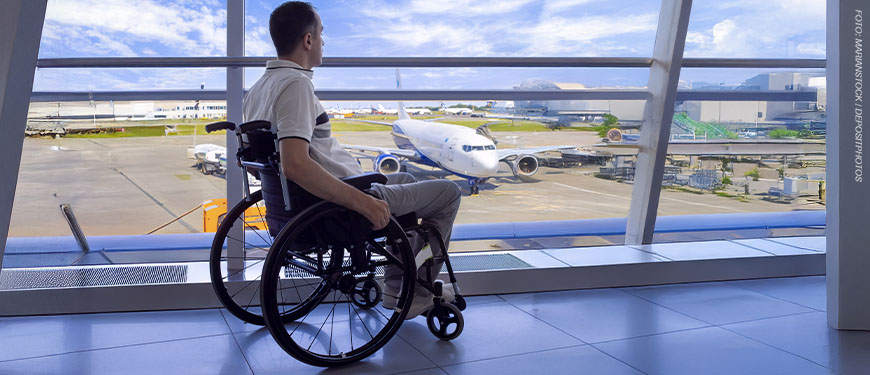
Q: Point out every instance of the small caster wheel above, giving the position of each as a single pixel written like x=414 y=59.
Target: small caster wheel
x=366 y=294
x=448 y=324
x=460 y=303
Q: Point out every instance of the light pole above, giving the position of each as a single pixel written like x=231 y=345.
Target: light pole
x=201 y=87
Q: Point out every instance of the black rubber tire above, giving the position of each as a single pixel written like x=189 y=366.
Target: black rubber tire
x=241 y=308
x=275 y=261
x=362 y=296
x=439 y=325
x=216 y=258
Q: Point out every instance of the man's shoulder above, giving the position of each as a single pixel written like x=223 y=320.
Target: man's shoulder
x=290 y=77
x=276 y=84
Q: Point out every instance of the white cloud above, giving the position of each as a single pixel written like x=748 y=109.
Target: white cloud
x=747 y=28
x=584 y=35
x=552 y=7
x=185 y=28
x=811 y=49
x=463 y=8
x=258 y=42
x=506 y=28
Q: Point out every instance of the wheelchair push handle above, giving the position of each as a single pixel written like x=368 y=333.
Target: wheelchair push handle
x=223 y=125
x=255 y=125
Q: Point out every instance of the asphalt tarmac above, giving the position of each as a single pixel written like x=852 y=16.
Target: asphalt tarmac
x=125 y=186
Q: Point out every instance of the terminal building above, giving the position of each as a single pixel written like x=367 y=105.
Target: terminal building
x=721 y=230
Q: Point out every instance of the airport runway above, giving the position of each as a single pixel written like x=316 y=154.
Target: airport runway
x=132 y=185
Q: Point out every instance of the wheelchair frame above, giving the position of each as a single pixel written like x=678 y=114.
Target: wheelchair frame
x=442 y=316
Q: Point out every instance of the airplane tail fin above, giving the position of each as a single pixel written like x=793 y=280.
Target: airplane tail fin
x=403 y=115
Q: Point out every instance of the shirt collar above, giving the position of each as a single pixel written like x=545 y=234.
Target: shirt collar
x=277 y=64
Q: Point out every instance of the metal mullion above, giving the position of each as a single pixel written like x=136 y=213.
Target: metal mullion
x=351 y=62
x=234 y=95
x=754 y=63
x=384 y=95
x=658 y=116
x=358 y=95
x=20 y=27
x=425 y=62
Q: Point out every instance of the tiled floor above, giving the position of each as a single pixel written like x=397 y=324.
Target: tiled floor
x=771 y=326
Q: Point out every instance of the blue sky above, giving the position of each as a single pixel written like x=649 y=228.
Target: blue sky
x=728 y=28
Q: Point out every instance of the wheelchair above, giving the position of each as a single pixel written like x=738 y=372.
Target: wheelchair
x=317 y=281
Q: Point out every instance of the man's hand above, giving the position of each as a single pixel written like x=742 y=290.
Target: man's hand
x=375 y=210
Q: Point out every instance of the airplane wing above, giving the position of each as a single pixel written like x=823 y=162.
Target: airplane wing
x=370 y=122
x=506 y=153
x=407 y=154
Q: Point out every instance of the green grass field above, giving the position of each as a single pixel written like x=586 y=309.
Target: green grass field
x=120 y=131
x=186 y=127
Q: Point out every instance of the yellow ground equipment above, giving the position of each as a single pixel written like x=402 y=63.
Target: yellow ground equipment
x=214 y=211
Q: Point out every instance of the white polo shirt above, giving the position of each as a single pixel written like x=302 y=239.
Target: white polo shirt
x=284 y=96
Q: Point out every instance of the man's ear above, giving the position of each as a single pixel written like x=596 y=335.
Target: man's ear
x=307 y=43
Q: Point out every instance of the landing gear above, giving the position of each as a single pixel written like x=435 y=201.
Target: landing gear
x=473 y=185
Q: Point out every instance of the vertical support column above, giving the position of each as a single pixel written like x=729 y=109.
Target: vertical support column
x=20 y=30
x=658 y=114
x=847 y=185
x=235 y=95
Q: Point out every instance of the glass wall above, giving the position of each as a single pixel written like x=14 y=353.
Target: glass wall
x=128 y=167
x=389 y=28
x=753 y=29
x=90 y=28
x=750 y=156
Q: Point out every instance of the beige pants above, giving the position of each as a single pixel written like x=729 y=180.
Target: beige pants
x=436 y=202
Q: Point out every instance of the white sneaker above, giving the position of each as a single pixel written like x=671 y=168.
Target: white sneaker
x=389 y=297
x=423 y=302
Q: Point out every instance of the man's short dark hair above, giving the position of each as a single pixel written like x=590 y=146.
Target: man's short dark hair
x=289 y=23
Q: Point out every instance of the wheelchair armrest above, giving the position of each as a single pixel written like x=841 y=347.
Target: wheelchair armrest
x=223 y=125
x=365 y=180
x=255 y=125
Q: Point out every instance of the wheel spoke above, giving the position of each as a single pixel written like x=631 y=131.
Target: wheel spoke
x=324 y=322
x=244 y=269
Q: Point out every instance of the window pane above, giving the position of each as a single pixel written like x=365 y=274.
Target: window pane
x=88 y=28
x=747 y=156
x=125 y=168
x=478 y=28
x=742 y=29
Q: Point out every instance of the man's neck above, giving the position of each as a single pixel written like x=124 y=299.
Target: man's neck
x=299 y=60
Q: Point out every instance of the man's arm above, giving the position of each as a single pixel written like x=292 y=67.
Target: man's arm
x=304 y=171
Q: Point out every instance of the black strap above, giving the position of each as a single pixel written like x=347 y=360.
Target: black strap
x=322 y=119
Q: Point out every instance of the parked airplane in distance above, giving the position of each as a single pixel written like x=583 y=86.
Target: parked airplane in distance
x=457 y=111
x=413 y=111
x=454 y=148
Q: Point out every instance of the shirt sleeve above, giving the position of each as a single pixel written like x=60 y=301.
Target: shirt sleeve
x=294 y=111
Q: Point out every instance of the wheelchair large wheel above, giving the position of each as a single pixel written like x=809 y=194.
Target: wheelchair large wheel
x=338 y=329
x=236 y=277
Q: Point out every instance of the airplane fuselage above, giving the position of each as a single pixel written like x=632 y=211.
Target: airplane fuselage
x=455 y=148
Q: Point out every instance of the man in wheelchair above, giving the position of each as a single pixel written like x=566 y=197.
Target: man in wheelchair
x=314 y=160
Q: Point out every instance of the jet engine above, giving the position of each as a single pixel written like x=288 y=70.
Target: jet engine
x=524 y=166
x=386 y=164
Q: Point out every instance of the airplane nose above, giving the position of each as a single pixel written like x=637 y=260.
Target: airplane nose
x=489 y=164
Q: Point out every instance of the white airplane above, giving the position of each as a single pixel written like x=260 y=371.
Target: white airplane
x=457 y=111
x=457 y=149
x=413 y=111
